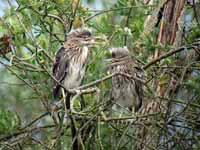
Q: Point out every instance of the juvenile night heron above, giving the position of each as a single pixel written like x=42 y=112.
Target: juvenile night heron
x=126 y=92
x=70 y=62
x=69 y=69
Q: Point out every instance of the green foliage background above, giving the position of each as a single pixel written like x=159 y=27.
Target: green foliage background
x=38 y=28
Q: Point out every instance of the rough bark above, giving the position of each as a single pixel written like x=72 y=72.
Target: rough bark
x=148 y=135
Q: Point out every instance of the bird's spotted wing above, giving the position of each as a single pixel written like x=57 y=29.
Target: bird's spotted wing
x=60 y=69
x=139 y=73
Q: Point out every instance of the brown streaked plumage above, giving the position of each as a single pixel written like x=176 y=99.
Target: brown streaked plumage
x=70 y=62
x=69 y=68
x=125 y=91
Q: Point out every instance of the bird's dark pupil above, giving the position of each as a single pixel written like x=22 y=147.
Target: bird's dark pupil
x=87 y=34
x=84 y=34
x=113 y=54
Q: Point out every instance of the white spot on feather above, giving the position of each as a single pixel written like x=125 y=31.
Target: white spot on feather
x=84 y=53
x=76 y=70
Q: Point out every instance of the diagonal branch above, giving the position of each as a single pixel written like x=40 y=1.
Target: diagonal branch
x=171 y=52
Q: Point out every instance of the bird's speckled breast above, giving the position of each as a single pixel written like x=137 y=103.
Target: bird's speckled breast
x=76 y=70
x=75 y=76
x=122 y=89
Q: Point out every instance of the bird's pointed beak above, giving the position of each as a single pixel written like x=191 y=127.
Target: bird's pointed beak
x=95 y=40
x=100 y=39
x=108 y=60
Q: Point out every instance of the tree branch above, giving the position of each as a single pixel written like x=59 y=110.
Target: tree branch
x=171 y=52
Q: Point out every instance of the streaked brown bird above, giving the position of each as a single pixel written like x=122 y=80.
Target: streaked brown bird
x=69 y=68
x=70 y=62
x=126 y=92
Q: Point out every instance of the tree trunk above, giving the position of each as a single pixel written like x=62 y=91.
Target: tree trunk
x=168 y=18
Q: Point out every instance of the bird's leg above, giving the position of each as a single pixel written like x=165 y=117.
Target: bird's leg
x=64 y=98
x=64 y=116
x=83 y=105
x=74 y=129
x=56 y=143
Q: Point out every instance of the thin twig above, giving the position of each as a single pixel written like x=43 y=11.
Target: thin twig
x=15 y=134
x=35 y=120
x=100 y=12
x=107 y=78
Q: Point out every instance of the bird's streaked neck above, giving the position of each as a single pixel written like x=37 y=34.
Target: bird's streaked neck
x=85 y=53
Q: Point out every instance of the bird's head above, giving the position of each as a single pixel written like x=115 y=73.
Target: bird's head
x=119 y=52
x=83 y=37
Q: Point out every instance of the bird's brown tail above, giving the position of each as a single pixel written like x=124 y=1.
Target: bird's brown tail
x=56 y=93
